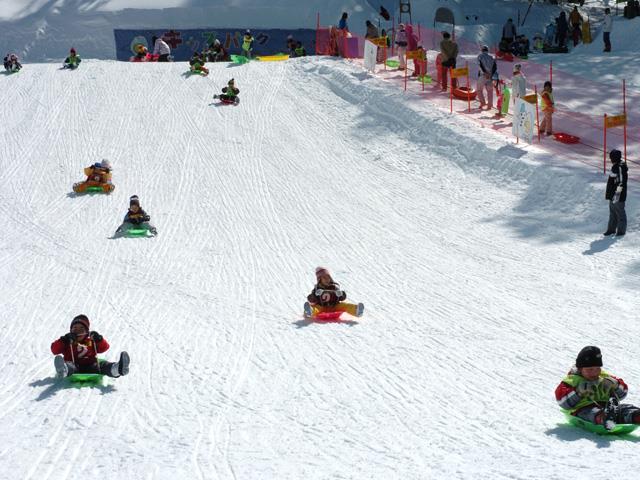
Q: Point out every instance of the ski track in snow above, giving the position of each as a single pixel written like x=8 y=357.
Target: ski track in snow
x=482 y=276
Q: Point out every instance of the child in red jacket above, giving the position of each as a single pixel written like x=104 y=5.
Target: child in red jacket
x=77 y=352
x=326 y=296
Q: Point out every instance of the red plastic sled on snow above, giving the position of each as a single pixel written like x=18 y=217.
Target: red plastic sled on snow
x=464 y=93
x=566 y=138
x=327 y=316
x=506 y=56
x=147 y=58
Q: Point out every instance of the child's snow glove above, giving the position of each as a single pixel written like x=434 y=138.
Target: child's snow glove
x=96 y=337
x=587 y=389
x=68 y=338
x=609 y=384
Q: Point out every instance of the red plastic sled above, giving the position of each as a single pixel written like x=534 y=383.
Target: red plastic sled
x=566 y=138
x=464 y=94
x=506 y=56
x=328 y=316
x=228 y=101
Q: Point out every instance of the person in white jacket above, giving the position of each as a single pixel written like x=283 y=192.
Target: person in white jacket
x=161 y=48
x=402 y=42
x=606 y=29
x=518 y=83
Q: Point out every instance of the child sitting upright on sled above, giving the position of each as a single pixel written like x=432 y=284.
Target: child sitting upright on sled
x=590 y=393
x=11 y=63
x=136 y=216
x=197 y=63
x=327 y=296
x=230 y=92
x=73 y=60
x=77 y=352
x=99 y=172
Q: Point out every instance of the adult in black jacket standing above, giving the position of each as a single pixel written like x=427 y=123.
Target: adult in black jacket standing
x=616 y=193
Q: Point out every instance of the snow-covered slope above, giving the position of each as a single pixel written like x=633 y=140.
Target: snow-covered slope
x=483 y=274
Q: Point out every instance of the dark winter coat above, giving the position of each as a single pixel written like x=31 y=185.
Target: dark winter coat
x=326 y=295
x=136 y=218
x=84 y=352
x=230 y=92
x=617 y=176
x=562 y=24
x=509 y=31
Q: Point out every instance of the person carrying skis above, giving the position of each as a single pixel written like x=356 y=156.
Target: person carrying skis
x=592 y=394
x=616 y=193
x=161 y=48
x=11 y=63
x=73 y=60
x=136 y=217
x=546 y=99
x=487 y=73
x=327 y=296
x=77 y=352
x=247 y=44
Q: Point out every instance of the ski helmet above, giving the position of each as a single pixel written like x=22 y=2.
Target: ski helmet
x=134 y=200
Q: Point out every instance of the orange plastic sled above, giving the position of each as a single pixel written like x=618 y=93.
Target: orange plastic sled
x=91 y=186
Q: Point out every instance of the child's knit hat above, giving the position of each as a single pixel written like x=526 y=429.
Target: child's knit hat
x=320 y=271
x=81 y=319
x=589 y=357
x=134 y=200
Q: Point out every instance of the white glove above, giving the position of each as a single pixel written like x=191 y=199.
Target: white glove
x=319 y=292
x=338 y=293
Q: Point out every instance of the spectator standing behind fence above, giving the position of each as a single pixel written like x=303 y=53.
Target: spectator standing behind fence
x=509 y=32
x=402 y=42
x=575 y=19
x=449 y=55
x=342 y=24
x=546 y=99
x=372 y=30
x=561 y=29
x=550 y=35
x=616 y=193
x=488 y=69
x=412 y=45
x=606 y=30
x=518 y=83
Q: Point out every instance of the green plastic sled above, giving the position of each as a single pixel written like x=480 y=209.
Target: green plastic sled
x=393 y=63
x=137 y=232
x=239 y=59
x=87 y=378
x=619 y=429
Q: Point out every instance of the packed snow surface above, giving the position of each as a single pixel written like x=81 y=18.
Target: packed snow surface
x=481 y=265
